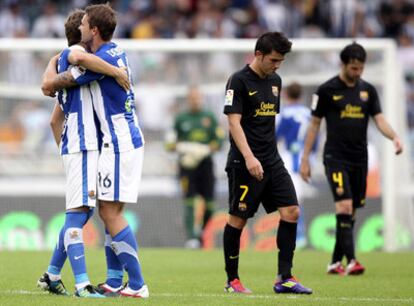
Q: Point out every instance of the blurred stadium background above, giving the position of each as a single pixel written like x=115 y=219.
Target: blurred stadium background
x=174 y=44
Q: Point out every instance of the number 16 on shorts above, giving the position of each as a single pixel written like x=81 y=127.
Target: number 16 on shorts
x=104 y=184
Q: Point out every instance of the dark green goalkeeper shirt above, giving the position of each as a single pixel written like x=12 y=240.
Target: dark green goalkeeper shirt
x=200 y=127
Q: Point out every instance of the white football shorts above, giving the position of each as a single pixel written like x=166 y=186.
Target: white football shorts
x=119 y=175
x=81 y=169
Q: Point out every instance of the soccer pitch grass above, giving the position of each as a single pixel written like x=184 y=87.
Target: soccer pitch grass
x=185 y=277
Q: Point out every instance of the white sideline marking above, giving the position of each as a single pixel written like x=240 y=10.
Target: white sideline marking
x=253 y=296
x=23 y=292
x=299 y=296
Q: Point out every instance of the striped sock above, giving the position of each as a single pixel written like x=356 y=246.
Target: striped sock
x=125 y=247
x=74 y=246
x=114 y=270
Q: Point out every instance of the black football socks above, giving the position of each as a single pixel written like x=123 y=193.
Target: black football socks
x=231 y=244
x=345 y=236
x=286 y=241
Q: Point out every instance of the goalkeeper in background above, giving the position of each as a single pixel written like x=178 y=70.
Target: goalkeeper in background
x=195 y=137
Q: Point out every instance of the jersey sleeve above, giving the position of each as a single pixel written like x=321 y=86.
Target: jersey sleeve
x=234 y=96
x=319 y=103
x=374 y=103
x=63 y=62
x=83 y=76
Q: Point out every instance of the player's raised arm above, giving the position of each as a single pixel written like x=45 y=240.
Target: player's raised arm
x=98 y=65
x=311 y=134
x=385 y=128
x=253 y=165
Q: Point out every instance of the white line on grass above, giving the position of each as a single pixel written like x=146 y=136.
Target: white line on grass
x=253 y=296
x=311 y=297
x=12 y=292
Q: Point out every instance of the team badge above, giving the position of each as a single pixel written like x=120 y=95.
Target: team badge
x=339 y=191
x=91 y=194
x=229 y=97
x=275 y=91
x=242 y=206
x=74 y=235
x=364 y=96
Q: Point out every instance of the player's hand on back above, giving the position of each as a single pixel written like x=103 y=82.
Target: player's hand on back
x=123 y=79
x=254 y=167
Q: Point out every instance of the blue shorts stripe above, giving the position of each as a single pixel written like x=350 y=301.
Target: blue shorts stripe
x=85 y=178
x=116 y=178
x=81 y=130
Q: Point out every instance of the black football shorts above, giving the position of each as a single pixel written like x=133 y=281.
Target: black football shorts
x=347 y=182
x=198 y=181
x=246 y=193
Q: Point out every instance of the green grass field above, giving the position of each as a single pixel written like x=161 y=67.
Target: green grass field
x=183 y=277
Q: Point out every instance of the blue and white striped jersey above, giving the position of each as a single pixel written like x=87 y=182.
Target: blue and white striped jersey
x=115 y=107
x=294 y=120
x=79 y=133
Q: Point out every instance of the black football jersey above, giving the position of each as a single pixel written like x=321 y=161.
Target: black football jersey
x=346 y=110
x=258 y=102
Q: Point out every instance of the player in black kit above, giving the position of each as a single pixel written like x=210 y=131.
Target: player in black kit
x=255 y=170
x=346 y=102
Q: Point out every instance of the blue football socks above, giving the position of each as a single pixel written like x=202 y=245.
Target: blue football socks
x=75 y=249
x=125 y=247
x=114 y=271
x=58 y=258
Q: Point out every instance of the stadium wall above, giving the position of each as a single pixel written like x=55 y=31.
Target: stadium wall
x=33 y=223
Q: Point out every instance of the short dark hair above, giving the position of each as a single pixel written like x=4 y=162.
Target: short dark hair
x=72 y=32
x=103 y=17
x=270 y=41
x=353 y=51
x=294 y=90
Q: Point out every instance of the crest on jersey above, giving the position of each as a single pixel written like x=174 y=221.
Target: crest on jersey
x=363 y=95
x=275 y=91
x=229 y=97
